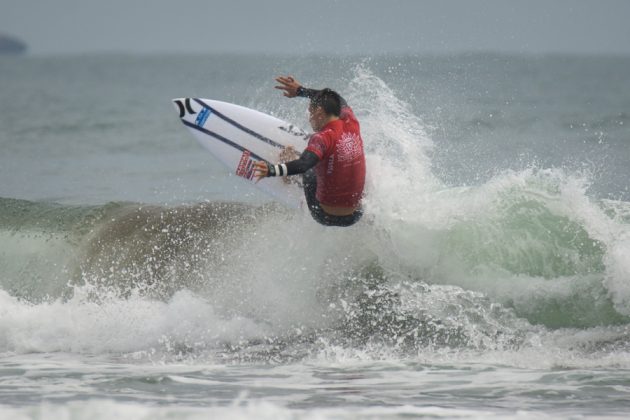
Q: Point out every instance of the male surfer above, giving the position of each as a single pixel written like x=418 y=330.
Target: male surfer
x=333 y=162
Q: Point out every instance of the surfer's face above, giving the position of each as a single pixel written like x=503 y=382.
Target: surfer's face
x=317 y=117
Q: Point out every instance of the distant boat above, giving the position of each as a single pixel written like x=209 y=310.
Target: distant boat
x=11 y=46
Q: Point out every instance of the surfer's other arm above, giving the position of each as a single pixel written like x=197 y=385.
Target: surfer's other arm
x=293 y=88
x=306 y=161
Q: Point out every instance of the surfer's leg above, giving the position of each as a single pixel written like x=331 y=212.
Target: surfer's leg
x=345 y=221
x=354 y=217
x=309 y=179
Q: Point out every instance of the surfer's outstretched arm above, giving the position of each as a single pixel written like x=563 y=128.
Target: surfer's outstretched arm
x=293 y=88
x=305 y=162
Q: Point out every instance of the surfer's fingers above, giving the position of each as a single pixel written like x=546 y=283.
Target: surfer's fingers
x=284 y=80
x=260 y=170
x=288 y=81
x=287 y=91
x=289 y=88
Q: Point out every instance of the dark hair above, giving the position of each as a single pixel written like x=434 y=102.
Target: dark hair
x=329 y=100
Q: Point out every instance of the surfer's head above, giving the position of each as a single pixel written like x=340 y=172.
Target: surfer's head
x=325 y=106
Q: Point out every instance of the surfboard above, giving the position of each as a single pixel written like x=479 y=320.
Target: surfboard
x=238 y=136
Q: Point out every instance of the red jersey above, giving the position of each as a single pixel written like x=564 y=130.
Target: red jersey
x=341 y=167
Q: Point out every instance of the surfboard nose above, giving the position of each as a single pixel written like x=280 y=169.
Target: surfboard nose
x=179 y=106
x=184 y=106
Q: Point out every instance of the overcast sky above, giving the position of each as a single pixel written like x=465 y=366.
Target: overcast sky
x=319 y=26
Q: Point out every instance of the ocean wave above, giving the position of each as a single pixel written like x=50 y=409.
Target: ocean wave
x=206 y=278
x=491 y=267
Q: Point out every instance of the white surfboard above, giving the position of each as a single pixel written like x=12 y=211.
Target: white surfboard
x=239 y=136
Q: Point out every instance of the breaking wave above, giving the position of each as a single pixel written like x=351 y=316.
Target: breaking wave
x=515 y=262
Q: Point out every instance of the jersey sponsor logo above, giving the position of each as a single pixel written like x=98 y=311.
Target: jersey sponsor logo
x=202 y=117
x=245 y=166
x=331 y=165
x=291 y=129
x=348 y=147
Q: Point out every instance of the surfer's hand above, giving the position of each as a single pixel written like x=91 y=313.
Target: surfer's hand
x=289 y=85
x=261 y=170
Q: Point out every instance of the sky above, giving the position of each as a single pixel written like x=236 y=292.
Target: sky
x=319 y=26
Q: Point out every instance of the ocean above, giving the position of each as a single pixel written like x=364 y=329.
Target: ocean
x=489 y=277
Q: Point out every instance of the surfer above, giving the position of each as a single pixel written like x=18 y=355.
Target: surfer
x=333 y=163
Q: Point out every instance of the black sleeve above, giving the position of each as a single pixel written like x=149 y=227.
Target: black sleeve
x=309 y=93
x=306 y=92
x=306 y=161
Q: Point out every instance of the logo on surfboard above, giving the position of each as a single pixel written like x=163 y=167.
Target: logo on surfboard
x=291 y=129
x=202 y=117
x=245 y=166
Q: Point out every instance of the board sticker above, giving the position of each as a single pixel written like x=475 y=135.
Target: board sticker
x=245 y=166
x=202 y=117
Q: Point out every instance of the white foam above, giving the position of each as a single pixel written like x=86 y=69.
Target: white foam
x=116 y=325
x=250 y=409
x=415 y=213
